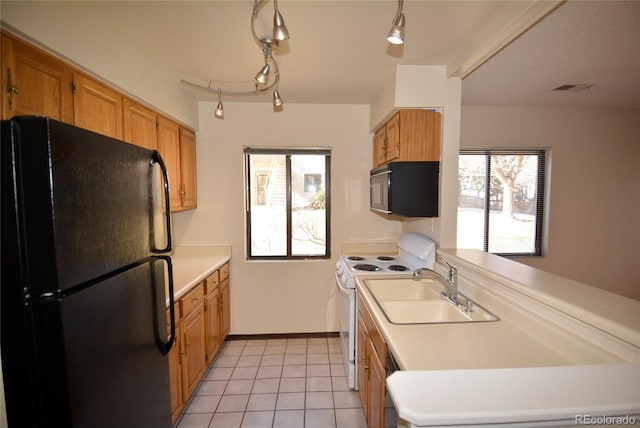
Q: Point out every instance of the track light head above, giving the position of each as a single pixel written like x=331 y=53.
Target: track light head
x=280 y=31
x=396 y=34
x=277 y=100
x=261 y=77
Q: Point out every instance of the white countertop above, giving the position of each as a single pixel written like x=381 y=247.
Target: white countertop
x=510 y=396
x=524 y=367
x=612 y=313
x=192 y=264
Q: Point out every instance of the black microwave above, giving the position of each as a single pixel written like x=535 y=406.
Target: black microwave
x=408 y=189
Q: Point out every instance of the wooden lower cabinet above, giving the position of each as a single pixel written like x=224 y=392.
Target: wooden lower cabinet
x=202 y=324
x=225 y=309
x=371 y=367
x=217 y=309
x=175 y=372
x=212 y=327
x=192 y=326
x=377 y=390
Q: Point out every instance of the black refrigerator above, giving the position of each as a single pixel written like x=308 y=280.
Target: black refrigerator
x=84 y=335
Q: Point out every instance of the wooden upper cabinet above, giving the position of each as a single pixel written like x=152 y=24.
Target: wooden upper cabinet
x=97 y=107
x=34 y=83
x=410 y=135
x=188 y=177
x=169 y=148
x=139 y=125
x=177 y=146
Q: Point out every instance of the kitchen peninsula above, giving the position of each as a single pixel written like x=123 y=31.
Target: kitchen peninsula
x=549 y=358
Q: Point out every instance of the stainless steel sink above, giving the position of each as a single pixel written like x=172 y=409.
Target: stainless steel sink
x=421 y=301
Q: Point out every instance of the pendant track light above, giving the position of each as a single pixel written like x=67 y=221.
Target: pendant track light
x=261 y=81
x=262 y=75
x=219 y=113
x=277 y=100
x=280 y=31
x=396 y=34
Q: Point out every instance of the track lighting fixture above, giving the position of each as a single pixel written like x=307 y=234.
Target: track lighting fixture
x=277 y=101
x=261 y=81
x=280 y=31
x=396 y=34
x=219 y=113
x=262 y=75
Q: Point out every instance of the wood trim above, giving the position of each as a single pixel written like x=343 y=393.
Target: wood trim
x=283 y=335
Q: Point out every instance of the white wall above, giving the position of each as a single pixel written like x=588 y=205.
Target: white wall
x=594 y=210
x=416 y=86
x=283 y=296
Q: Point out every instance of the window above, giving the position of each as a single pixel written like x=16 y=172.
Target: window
x=288 y=202
x=500 y=204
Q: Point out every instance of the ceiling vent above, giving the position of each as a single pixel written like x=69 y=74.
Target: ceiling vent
x=574 y=88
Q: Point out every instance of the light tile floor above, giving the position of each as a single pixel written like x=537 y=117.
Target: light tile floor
x=275 y=383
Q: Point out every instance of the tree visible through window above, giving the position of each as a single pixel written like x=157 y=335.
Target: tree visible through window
x=287 y=202
x=500 y=204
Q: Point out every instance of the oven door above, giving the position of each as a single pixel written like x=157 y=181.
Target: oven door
x=347 y=315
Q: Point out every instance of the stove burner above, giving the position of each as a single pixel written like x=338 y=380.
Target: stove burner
x=385 y=258
x=355 y=258
x=398 y=268
x=367 y=267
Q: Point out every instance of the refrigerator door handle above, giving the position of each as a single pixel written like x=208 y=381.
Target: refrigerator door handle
x=156 y=158
x=165 y=347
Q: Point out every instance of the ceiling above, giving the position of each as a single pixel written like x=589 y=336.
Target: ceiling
x=338 y=52
x=582 y=42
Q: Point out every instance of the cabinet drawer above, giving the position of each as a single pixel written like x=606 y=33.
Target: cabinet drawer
x=192 y=300
x=224 y=272
x=211 y=283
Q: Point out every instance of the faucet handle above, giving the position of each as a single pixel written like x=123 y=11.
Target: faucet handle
x=449 y=265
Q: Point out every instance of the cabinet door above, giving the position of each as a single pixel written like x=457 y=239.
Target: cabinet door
x=96 y=107
x=34 y=82
x=225 y=309
x=169 y=148
x=193 y=363
x=139 y=125
x=188 y=169
x=420 y=135
x=362 y=365
x=393 y=138
x=377 y=389
x=175 y=375
x=212 y=312
x=380 y=147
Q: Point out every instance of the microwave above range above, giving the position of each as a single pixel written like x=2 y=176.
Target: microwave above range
x=408 y=189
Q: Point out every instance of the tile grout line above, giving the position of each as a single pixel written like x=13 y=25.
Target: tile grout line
x=236 y=355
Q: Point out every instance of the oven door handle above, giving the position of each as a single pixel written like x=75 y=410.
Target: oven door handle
x=340 y=286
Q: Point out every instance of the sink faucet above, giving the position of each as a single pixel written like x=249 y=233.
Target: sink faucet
x=451 y=282
x=452 y=279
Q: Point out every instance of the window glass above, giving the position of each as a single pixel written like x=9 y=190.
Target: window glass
x=287 y=203
x=500 y=208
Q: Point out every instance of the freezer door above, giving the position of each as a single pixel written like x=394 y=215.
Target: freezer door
x=99 y=357
x=86 y=204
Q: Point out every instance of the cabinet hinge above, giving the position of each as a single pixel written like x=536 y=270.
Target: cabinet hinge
x=73 y=87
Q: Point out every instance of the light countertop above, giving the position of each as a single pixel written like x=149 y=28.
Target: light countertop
x=192 y=264
x=609 y=312
x=537 y=396
x=449 y=346
x=524 y=368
